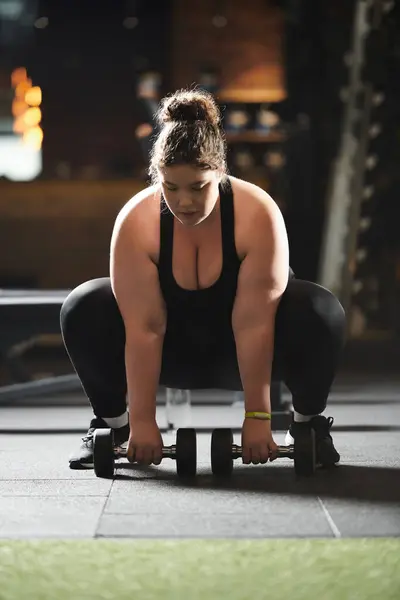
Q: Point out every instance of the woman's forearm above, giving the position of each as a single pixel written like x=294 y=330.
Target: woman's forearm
x=143 y=356
x=254 y=348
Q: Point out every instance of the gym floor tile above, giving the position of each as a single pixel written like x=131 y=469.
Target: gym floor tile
x=51 y=516
x=38 y=457
x=197 y=525
x=204 y=497
x=363 y=519
x=55 y=487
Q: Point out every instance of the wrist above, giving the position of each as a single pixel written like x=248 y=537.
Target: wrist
x=257 y=406
x=257 y=400
x=257 y=414
x=141 y=416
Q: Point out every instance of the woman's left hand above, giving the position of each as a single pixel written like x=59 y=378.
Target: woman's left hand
x=258 y=445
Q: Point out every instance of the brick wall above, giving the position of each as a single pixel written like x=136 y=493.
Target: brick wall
x=247 y=50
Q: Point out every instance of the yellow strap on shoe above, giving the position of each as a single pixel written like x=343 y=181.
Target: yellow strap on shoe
x=258 y=415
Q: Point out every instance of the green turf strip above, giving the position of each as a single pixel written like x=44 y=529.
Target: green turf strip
x=351 y=569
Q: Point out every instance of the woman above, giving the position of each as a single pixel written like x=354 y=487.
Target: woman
x=200 y=295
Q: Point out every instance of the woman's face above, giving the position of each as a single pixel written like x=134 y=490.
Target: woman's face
x=191 y=193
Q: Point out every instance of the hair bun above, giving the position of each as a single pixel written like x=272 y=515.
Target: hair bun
x=188 y=106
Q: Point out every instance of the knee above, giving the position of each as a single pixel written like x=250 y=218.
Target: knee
x=325 y=305
x=319 y=306
x=83 y=301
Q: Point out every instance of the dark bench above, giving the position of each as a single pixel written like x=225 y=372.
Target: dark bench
x=26 y=314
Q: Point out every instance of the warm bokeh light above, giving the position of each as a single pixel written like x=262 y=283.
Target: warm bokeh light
x=18 y=76
x=33 y=96
x=22 y=88
x=33 y=138
x=18 y=161
x=27 y=115
x=18 y=107
x=33 y=116
x=19 y=125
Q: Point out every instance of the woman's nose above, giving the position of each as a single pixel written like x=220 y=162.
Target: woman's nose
x=185 y=202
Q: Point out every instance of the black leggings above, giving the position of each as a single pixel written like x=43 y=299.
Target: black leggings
x=309 y=336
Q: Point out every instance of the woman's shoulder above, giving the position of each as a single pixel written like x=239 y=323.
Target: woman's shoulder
x=141 y=203
x=139 y=219
x=251 y=201
x=258 y=217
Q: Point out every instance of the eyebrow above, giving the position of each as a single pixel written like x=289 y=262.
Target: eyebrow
x=193 y=182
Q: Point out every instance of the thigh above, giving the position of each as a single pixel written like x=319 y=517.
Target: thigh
x=90 y=314
x=309 y=317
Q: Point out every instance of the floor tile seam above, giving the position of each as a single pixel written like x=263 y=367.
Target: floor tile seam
x=334 y=528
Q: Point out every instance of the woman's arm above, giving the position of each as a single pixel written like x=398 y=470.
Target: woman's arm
x=262 y=280
x=135 y=284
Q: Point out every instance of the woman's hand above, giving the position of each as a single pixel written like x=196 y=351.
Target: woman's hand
x=145 y=442
x=258 y=445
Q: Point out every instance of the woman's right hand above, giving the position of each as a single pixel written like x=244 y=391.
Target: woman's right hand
x=145 y=442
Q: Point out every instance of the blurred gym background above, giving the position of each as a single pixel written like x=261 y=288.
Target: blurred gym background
x=310 y=94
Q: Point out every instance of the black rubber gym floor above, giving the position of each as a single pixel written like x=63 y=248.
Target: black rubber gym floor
x=41 y=497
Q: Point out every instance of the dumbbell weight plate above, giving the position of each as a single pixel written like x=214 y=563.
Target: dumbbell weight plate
x=305 y=453
x=103 y=453
x=221 y=452
x=186 y=452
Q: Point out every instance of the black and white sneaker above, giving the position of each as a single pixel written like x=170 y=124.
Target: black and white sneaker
x=83 y=457
x=327 y=455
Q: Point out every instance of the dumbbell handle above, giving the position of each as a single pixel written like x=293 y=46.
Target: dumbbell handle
x=167 y=452
x=283 y=451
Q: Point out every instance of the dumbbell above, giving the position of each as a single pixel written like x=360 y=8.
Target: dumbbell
x=184 y=451
x=224 y=452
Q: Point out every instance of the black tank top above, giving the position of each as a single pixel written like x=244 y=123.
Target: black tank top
x=199 y=334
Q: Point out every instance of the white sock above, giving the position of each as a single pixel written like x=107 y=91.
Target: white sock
x=117 y=422
x=298 y=418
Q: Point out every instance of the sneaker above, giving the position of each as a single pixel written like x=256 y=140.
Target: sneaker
x=83 y=458
x=327 y=455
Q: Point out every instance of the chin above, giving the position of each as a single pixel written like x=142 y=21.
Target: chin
x=190 y=224
x=190 y=221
